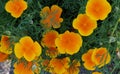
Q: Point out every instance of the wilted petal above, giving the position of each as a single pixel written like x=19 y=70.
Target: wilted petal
x=56 y=10
x=101 y=56
x=51 y=17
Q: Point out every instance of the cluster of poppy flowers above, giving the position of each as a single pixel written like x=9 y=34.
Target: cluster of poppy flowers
x=54 y=43
x=97 y=57
x=95 y=10
x=62 y=66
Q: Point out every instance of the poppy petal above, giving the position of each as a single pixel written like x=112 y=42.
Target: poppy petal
x=37 y=48
x=26 y=41
x=29 y=55
x=18 y=49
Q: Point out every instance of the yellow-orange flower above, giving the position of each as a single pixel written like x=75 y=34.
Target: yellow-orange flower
x=84 y=24
x=101 y=56
x=48 y=39
x=16 y=7
x=74 y=68
x=51 y=17
x=27 y=48
x=23 y=68
x=68 y=42
x=5 y=45
x=88 y=63
x=98 y=9
x=59 y=66
x=3 y=57
x=96 y=73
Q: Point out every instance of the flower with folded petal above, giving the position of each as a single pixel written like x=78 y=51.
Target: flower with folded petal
x=84 y=24
x=96 y=57
x=68 y=42
x=49 y=37
x=96 y=73
x=23 y=68
x=98 y=9
x=5 y=45
x=59 y=66
x=101 y=56
x=16 y=7
x=51 y=17
x=27 y=48
x=88 y=63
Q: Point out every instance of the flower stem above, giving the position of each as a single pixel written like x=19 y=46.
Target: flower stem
x=115 y=27
x=115 y=67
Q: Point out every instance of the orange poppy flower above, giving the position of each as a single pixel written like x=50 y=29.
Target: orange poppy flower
x=59 y=66
x=101 y=56
x=16 y=7
x=51 y=17
x=3 y=57
x=96 y=73
x=49 y=37
x=88 y=63
x=74 y=68
x=98 y=9
x=22 y=68
x=84 y=24
x=27 y=48
x=68 y=42
x=5 y=45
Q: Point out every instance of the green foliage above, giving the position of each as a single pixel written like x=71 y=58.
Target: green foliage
x=29 y=24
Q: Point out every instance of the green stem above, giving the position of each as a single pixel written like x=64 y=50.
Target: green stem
x=114 y=29
x=13 y=22
x=39 y=5
x=115 y=67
